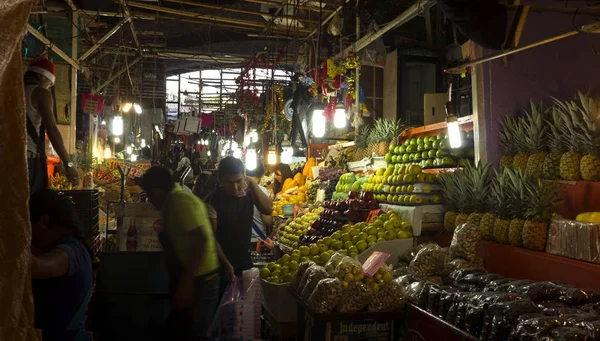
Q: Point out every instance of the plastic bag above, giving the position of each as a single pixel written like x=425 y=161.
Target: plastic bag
x=437 y=280
x=562 y=312
x=590 y=307
x=314 y=274
x=405 y=281
x=447 y=297
x=413 y=291
x=326 y=295
x=479 y=280
x=348 y=270
x=512 y=285
x=591 y=328
x=427 y=261
x=408 y=256
x=433 y=300
x=474 y=313
x=354 y=298
x=297 y=278
x=423 y=296
x=493 y=285
x=333 y=262
x=541 y=291
x=398 y=272
x=391 y=297
x=457 y=275
x=575 y=296
x=488 y=313
x=452 y=265
x=537 y=327
x=568 y=334
x=465 y=242
x=552 y=305
x=506 y=315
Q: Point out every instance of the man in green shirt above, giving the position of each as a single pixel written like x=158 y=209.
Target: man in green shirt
x=189 y=247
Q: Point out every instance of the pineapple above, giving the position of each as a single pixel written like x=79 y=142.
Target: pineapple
x=385 y=131
x=463 y=202
x=501 y=199
x=589 y=165
x=542 y=199
x=520 y=159
x=450 y=193
x=517 y=200
x=536 y=137
x=486 y=225
x=478 y=190
x=507 y=142
x=571 y=128
x=557 y=146
x=360 y=142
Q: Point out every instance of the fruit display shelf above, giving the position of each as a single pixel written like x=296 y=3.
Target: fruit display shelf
x=418 y=216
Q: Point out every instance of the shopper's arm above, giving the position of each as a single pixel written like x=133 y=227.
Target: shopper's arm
x=49 y=265
x=46 y=108
x=268 y=222
x=263 y=203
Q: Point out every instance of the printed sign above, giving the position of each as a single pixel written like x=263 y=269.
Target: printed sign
x=374 y=262
x=131 y=170
x=139 y=228
x=362 y=330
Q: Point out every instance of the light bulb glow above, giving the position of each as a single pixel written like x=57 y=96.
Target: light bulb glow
x=318 y=123
x=286 y=157
x=208 y=153
x=127 y=106
x=143 y=143
x=454 y=132
x=339 y=118
x=129 y=149
x=103 y=122
x=137 y=108
x=237 y=153
x=107 y=153
x=117 y=140
x=117 y=126
x=272 y=157
x=250 y=159
x=134 y=157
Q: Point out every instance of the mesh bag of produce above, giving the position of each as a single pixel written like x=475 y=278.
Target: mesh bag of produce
x=465 y=242
x=408 y=256
x=537 y=327
x=391 y=297
x=575 y=296
x=447 y=297
x=333 y=262
x=298 y=277
x=354 y=298
x=540 y=291
x=591 y=328
x=405 y=281
x=457 y=275
x=413 y=291
x=427 y=262
x=567 y=334
x=401 y=265
x=506 y=315
x=326 y=295
x=348 y=270
x=314 y=275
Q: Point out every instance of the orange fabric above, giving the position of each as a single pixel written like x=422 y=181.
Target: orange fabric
x=16 y=315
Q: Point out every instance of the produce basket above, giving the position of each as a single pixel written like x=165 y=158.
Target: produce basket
x=573 y=239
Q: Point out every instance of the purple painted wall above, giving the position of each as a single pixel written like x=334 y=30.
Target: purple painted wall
x=556 y=69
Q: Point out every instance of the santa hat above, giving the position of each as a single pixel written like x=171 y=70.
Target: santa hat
x=44 y=67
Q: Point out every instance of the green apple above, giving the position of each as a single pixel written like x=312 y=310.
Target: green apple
x=361 y=245
x=362 y=236
x=372 y=238
x=348 y=244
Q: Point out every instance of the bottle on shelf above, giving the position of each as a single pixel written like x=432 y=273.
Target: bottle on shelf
x=132 y=236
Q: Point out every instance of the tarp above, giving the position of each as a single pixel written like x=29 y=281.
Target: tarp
x=16 y=314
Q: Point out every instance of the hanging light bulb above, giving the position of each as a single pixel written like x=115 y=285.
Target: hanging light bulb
x=237 y=153
x=107 y=153
x=134 y=157
x=137 y=108
x=208 y=153
x=117 y=140
x=453 y=131
x=127 y=106
x=103 y=122
x=251 y=161
x=272 y=156
x=286 y=151
x=339 y=117
x=117 y=126
x=143 y=143
x=318 y=120
x=129 y=150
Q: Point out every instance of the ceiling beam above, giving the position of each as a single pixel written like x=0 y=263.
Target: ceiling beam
x=329 y=17
x=53 y=47
x=103 y=39
x=276 y=4
x=128 y=17
x=117 y=74
x=195 y=15
x=235 y=10
x=72 y=5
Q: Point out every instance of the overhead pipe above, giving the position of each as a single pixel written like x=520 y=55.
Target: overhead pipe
x=108 y=81
x=589 y=28
x=103 y=39
x=128 y=17
x=53 y=47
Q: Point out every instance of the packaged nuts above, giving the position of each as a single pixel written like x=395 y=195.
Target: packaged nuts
x=326 y=295
x=391 y=297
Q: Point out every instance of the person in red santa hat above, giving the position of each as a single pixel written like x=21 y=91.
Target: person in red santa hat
x=39 y=78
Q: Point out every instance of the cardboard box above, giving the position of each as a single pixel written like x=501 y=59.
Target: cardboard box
x=434 y=107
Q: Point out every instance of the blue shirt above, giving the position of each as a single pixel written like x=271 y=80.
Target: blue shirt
x=58 y=299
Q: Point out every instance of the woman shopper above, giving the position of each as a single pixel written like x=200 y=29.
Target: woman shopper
x=282 y=173
x=61 y=268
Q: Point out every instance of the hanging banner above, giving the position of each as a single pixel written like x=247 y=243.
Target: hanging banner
x=91 y=104
x=131 y=169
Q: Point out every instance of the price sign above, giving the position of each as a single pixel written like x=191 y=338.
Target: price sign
x=373 y=214
x=374 y=262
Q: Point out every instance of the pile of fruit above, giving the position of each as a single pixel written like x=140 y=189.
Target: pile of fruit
x=560 y=142
x=588 y=217
x=290 y=233
x=350 y=239
x=59 y=182
x=509 y=206
x=296 y=196
x=432 y=151
x=311 y=192
x=404 y=185
x=348 y=182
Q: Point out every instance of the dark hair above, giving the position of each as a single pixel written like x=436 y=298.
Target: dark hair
x=257 y=172
x=60 y=210
x=286 y=173
x=31 y=77
x=230 y=166
x=205 y=185
x=157 y=178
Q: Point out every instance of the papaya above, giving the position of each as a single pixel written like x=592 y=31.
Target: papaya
x=307 y=172
x=287 y=184
x=299 y=178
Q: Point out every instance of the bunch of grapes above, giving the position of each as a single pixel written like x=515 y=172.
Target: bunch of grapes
x=330 y=188
x=329 y=174
x=311 y=192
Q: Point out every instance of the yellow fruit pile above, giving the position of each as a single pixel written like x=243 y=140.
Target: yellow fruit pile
x=290 y=234
x=299 y=197
x=60 y=183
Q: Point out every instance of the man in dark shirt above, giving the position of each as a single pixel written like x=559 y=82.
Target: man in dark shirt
x=234 y=201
